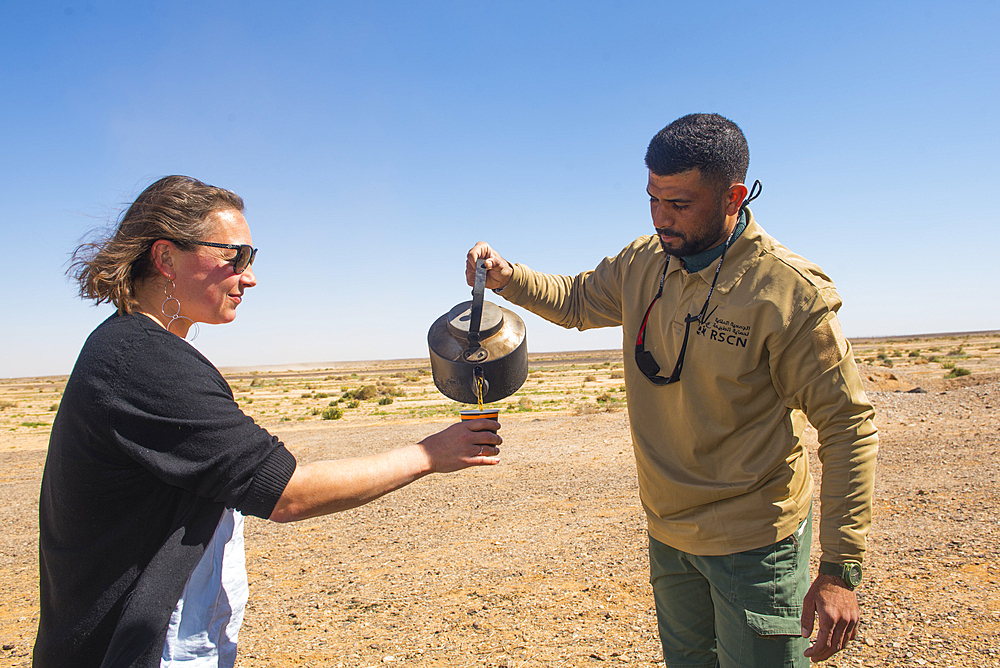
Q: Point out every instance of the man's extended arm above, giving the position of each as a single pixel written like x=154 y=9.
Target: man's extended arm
x=585 y=301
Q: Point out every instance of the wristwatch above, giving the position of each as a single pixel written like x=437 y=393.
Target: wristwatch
x=849 y=572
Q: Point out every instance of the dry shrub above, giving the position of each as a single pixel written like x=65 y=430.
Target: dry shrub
x=365 y=393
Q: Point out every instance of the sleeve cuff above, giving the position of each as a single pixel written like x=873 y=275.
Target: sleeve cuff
x=268 y=483
x=515 y=286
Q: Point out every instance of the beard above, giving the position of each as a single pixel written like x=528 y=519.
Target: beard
x=713 y=232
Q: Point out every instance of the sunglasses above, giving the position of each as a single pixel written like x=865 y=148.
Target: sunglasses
x=643 y=358
x=245 y=253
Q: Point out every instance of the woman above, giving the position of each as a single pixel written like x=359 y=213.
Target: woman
x=152 y=465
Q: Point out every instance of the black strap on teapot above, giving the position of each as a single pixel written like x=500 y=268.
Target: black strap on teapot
x=476 y=315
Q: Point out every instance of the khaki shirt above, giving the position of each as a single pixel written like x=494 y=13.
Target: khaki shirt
x=720 y=458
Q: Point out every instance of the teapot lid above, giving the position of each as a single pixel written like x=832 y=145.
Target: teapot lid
x=460 y=320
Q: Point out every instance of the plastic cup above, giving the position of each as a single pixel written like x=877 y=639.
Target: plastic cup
x=475 y=414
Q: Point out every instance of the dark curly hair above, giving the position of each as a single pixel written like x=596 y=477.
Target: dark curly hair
x=709 y=142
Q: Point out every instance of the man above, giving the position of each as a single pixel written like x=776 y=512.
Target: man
x=736 y=343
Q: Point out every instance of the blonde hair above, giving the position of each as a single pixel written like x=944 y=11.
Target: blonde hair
x=174 y=208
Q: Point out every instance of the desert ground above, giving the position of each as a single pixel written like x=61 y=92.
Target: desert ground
x=541 y=561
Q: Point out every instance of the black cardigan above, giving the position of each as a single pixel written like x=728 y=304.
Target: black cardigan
x=147 y=449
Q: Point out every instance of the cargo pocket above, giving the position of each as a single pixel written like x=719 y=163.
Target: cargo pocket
x=773 y=625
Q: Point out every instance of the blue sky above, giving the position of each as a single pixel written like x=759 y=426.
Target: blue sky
x=375 y=142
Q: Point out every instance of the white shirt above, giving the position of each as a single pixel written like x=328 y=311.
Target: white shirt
x=205 y=625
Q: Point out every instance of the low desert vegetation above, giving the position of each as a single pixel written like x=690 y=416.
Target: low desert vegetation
x=571 y=383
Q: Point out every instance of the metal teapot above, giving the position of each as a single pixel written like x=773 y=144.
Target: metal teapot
x=478 y=345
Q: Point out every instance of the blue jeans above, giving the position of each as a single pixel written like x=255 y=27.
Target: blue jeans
x=739 y=610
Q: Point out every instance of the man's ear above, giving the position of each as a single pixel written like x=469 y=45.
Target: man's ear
x=734 y=198
x=161 y=255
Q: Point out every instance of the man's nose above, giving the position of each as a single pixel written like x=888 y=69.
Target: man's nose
x=660 y=218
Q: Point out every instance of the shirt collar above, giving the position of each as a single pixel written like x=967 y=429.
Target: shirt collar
x=742 y=254
x=698 y=261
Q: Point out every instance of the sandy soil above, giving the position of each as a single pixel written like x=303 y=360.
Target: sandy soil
x=541 y=561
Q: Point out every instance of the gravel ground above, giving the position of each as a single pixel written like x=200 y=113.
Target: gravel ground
x=542 y=560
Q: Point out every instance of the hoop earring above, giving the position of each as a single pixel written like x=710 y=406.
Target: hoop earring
x=176 y=310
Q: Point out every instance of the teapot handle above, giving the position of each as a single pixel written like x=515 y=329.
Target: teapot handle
x=478 y=290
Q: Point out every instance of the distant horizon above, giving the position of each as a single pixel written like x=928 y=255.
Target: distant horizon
x=232 y=369
x=303 y=366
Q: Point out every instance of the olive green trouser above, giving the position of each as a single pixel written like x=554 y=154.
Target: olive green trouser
x=740 y=610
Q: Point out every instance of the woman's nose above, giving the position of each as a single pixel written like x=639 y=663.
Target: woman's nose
x=248 y=278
